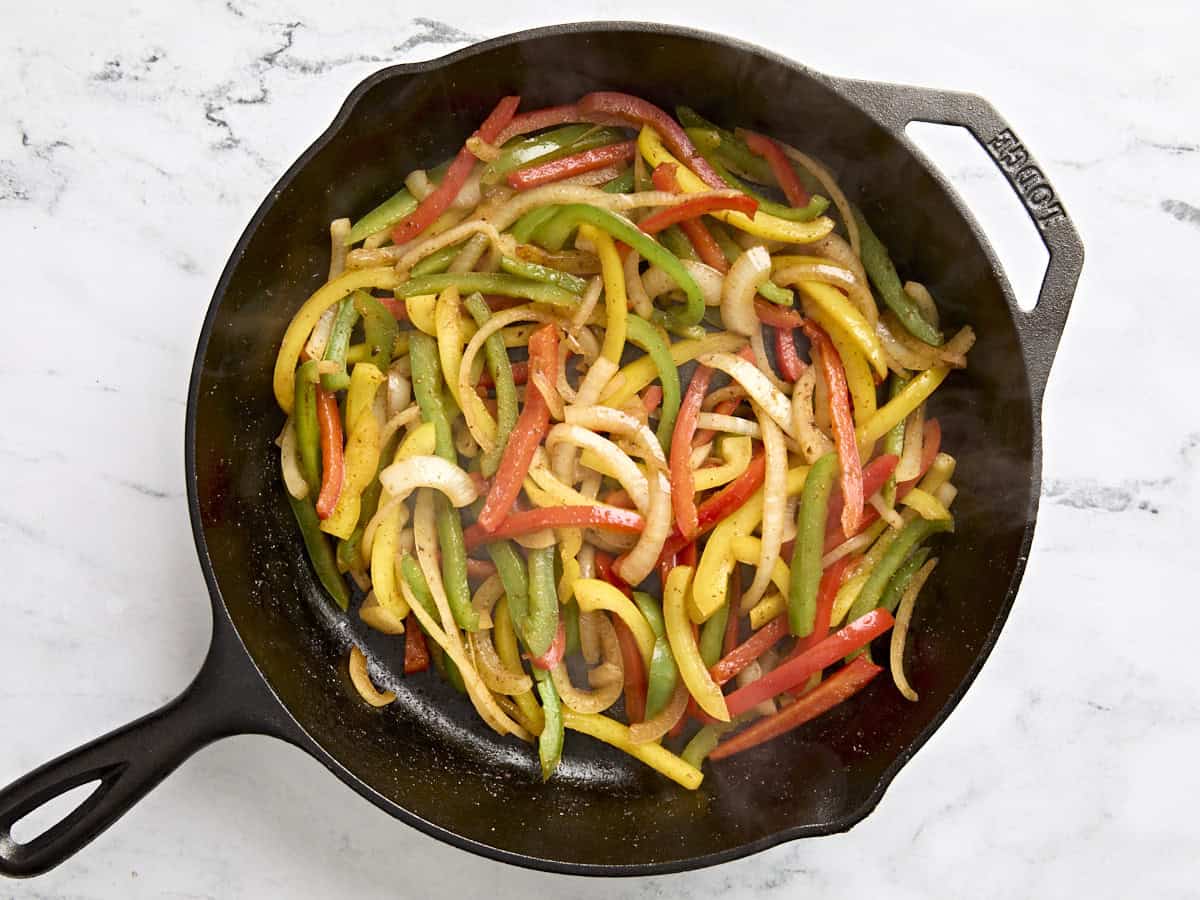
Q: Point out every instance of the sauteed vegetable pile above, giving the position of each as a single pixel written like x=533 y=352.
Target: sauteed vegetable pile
x=604 y=414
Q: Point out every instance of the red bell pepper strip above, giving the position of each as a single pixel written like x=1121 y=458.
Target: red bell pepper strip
x=849 y=462
x=749 y=650
x=820 y=656
x=831 y=579
x=611 y=106
x=722 y=504
x=532 y=426
x=416 y=653
x=791 y=366
x=397 y=308
x=439 y=200
x=575 y=164
x=683 y=486
x=687 y=555
x=519 y=522
x=557 y=650
x=838 y=687
x=733 y=620
x=520 y=373
x=333 y=468
x=701 y=238
x=874 y=475
x=536 y=120
x=777 y=316
x=635 y=672
x=763 y=146
x=651 y=398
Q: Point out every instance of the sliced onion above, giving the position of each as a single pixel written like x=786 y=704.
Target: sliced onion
x=418 y=184
x=628 y=474
x=758 y=387
x=491 y=669
x=636 y=290
x=470 y=254
x=701 y=454
x=728 y=424
x=764 y=363
x=482 y=150
x=537 y=540
x=638 y=563
x=289 y=462
x=594 y=177
x=589 y=628
x=600 y=698
x=549 y=393
x=823 y=175
x=838 y=276
x=656 y=282
x=887 y=513
x=388 y=506
x=604 y=675
x=399 y=390
x=920 y=295
x=398 y=421
x=416 y=251
x=587 y=303
x=667 y=718
x=402 y=478
x=379 y=617
x=900 y=629
x=745 y=276
x=730 y=392
x=614 y=421
x=851 y=545
x=339 y=229
x=749 y=675
x=362 y=681
x=573 y=262
x=909 y=466
x=774 y=503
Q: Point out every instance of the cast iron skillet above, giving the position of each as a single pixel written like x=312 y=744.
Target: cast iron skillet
x=277 y=666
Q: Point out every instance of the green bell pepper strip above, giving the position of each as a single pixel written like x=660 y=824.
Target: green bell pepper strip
x=438 y=262
x=510 y=566
x=768 y=290
x=541 y=624
x=547 y=146
x=410 y=571
x=526 y=226
x=454 y=564
x=663 y=673
x=571 y=617
x=676 y=241
x=320 y=554
x=731 y=146
x=554 y=234
x=339 y=341
x=622 y=184
x=650 y=250
x=882 y=272
x=703 y=742
x=427 y=386
x=712 y=634
x=304 y=416
x=500 y=369
x=642 y=334
x=380 y=328
x=893 y=442
x=547 y=233
x=550 y=741
x=810 y=540
x=391 y=210
x=488 y=283
x=534 y=272
x=450 y=671
x=909 y=537
x=899 y=582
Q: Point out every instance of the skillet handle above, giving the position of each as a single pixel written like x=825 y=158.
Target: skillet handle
x=227 y=697
x=1039 y=329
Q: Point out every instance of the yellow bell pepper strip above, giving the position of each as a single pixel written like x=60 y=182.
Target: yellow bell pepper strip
x=500 y=369
x=380 y=328
x=361 y=457
x=663 y=674
x=882 y=272
x=488 y=283
x=877 y=580
x=748 y=550
x=320 y=554
x=550 y=741
x=421 y=309
x=762 y=225
x=633 y=378
x=339 y=341
x=810 y=537
x=893 y=444
x=593 y=594
x=541 y=623
x=302 y=324
x=616 y=303
x=857 y=370
x=449 y=338
x=304 y=414
x=768 y=608
x=504 y=635
x=683 y=645
x=642 y=334
x=535 y=272
x=834 y=305
x=383 y=563
x=350 y=550
x=925 y=505
x=736 y=450
x=652 y=754
x=897 y=409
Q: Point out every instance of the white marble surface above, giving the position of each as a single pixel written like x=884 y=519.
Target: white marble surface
x=135 y=141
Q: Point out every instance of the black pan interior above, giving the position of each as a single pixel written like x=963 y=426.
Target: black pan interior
x=428 y=757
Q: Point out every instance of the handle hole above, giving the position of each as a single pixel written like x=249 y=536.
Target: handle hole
x=987 y=194
x=34 y=824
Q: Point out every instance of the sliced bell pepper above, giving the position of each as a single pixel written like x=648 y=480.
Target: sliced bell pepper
x=550 y=741
x=545 y=147
x=710 y=150
x=452 y=544
x=576 y=164
x=834 y=311
x=639 y=373
x=825 y=653
x=875 y=476
x=683 y=645
x=535 y=272
x=555 y=653
x=616 y=303
x=909 y=537
x=850 y=462
x=642 y=334
x=692 y=209
x=831 y=579
x=686 y=216
x=532 y=426
x=329 y=420
x=723 y=504
x=536 y=120
x=791 y=367
x=634 y=672
x=810 y=538
x=777 y=316
x=308 y=432
x=837 y=688
x=380 y=328
x=542 y=623
x=519 y=522
x=339 y=342
x=663 y=674
x=416 y=653
x=652 y=754
x=504 y=635
x=780 y=166
x=897 y=409
x=592 y=594
x=899 y=581
x=893 y=444
x=683 y=495
x=749 y=650
x=320 y=554
x=439 y=200
x=489 y=283
x=882 y=272
x=754 y=166
x=510 y=566
x=427 y=388
x=502 y=377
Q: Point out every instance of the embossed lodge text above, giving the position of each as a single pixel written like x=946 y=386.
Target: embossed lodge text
x=1027 y=178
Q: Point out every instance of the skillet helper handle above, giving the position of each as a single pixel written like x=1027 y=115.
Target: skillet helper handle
x=1040 y=329
x=226 y=698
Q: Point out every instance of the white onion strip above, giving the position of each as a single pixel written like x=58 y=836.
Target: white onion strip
x=361 y=679
x=728 y=424
x=823 y=175
x=758 y=387
x=900 y=630
x=289 y=462
x=774 y=503
x=600 y=698
x=653 y=729
x=628 y=474
x=656 y=282
x=745 y=276
x=402 y=478
x=636 y=290
x=909 y=466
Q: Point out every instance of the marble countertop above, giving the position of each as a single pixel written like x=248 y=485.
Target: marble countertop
x=136 y=139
